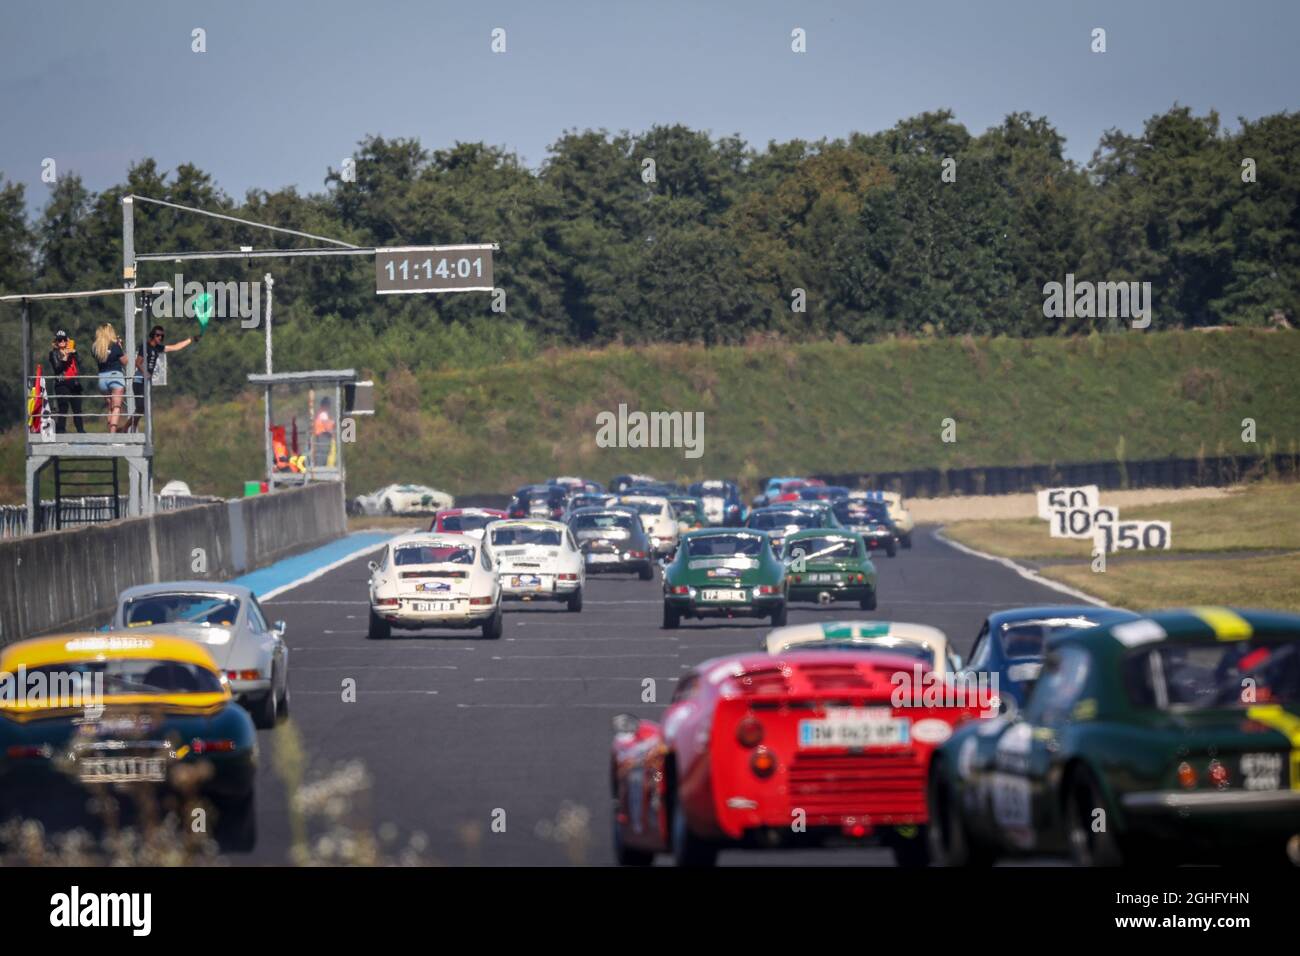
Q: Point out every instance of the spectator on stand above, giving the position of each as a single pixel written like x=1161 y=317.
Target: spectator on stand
x=111 y=357
x=65 y=387
x=146 y=363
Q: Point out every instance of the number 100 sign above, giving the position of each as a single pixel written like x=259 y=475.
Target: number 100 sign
x=405 y=269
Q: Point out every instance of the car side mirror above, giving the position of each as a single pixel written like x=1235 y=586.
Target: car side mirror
x=625 y=725
x=372 y=565
x=280 y=627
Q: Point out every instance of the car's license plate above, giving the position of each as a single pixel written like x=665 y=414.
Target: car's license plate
x=854 y=727
x=722 y=594
x=525 y=581
x=123 y=769
x=432 y=607
x=602 y=558
x=821 y=578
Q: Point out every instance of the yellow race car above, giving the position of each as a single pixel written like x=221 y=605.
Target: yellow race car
x=123 y=715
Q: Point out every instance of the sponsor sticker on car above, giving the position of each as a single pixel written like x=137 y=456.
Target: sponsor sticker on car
x=533 y=581
x=854 y=727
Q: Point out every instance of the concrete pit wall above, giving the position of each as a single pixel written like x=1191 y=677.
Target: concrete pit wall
x=67 y=580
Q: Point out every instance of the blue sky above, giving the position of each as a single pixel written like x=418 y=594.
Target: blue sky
x=286 y=89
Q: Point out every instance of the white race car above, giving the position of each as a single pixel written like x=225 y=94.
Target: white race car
x=658 y=519
x=402 y=500
x=434 y=580
x=927 y=643
x=538 y=560
x=898 y=514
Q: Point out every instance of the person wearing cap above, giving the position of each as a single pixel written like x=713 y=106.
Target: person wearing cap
x=146 y=362
x=65 y=386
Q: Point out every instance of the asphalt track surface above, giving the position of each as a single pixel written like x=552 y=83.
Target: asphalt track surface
x=452 y=728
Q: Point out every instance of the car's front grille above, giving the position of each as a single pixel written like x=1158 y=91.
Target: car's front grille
x=883 y=788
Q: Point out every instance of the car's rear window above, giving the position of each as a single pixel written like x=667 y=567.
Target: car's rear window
x=822 y=548
x=128 y=675
x=464 y=522
x=548 y=537
x=602 y=522
x=215 y=610
x=1245 y=673
x=724 y=546
x=766 y=520
x=433 y=554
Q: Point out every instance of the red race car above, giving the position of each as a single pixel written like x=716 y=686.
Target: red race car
x=804 y=748
x=469 y=521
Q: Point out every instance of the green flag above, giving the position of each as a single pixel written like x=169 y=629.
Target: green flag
x=203 y=310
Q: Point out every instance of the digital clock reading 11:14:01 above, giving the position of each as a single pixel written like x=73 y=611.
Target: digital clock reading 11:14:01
x=433 y=269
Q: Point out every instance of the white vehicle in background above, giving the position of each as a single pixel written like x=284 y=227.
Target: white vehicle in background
x=898 y=514
x=658 y=519
x=402 y=500
x=538 y=560
x=922 y=641
x=426 y=580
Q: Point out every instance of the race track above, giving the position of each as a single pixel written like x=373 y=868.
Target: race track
x=452 y=727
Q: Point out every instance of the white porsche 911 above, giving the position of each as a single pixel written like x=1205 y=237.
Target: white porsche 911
x=427 y=580
x=538 y=560
x=401 y=500
x=658 y=519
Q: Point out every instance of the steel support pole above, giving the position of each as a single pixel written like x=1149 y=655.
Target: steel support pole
x=128 y=300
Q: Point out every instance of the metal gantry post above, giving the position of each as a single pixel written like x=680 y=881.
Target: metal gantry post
x=128 y=300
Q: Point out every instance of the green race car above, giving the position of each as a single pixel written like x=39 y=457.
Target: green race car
x=722 y=572
x=1170 y=738
x=827 y=565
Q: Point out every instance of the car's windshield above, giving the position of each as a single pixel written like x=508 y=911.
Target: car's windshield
x=822 y=547
x=685 y=509
x=522 y=534
x=602 y=522
x=1223 y=674
x=216 y=610
x=466 y=522
x=1025 y=639
x=724 y=546
x=127 y=675
x=433 y=554
x=765 y=520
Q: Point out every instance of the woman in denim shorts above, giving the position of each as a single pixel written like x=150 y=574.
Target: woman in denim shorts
x=111 y=356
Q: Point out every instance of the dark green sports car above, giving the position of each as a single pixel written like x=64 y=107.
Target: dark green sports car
x=1173 y=737
x=825 y=565
x=722 y=572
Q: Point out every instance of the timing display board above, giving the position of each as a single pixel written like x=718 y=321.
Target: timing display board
x=401 y=270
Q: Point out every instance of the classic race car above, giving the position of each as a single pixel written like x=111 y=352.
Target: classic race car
x=537 y=561
x=772 y=489
x=426 y=580
x=826 y=566
x=470 y=521
x=538 y=501
x=613 y=539
x=781 y=520
x=724 y=573
x=229 y=622
x=920 y=641
x=689 y=512
x=1009 y=647
x=871 y=520
x=620 y=483
x=402 y=500
x=657 y=518
x=722 y=502
x=1169 y=738
x=899 y=515
x=127 y=715
x=800 y=749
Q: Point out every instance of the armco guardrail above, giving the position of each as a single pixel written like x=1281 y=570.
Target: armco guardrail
x=1108 y=475
x=70 y=579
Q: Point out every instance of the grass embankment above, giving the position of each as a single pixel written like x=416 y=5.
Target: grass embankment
x=774 y=407
x=1256 y=518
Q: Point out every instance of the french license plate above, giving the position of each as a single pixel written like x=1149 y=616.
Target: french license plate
x=525 y=581
x=602 y=558
x=123 y=769
x=854 y=727
x=432 y=607
x=821 y=578
x=721 y=594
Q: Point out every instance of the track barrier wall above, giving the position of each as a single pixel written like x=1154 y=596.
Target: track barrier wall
x=63 y=580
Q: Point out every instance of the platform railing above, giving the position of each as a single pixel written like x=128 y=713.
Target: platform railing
x=90 y=509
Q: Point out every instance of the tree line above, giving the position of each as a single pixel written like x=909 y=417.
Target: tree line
x=676 y=235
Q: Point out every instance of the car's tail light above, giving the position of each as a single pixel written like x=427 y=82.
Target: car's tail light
x=636 y=554
x=28 y=752
x=797 y=578
x=244 y=675
x=567 y=577
x=388 y=602
x=1186 y=775
x=749 y=732
x=763 y=764
x=764 y=589
x=1218 y=774
x=478 y=601
x=861 y=578
x=680 y=589
x=212 y=746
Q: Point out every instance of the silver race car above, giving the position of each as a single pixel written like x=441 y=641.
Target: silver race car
x=228 y=621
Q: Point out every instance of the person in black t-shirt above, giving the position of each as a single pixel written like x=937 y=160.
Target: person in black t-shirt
x=111 y=357
x=65 y=387
x=146 y=362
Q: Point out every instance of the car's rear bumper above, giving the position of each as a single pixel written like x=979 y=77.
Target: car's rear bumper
x=755 y=607
x=1183 y=804
x=622 y=566
x=411 y=620
x=837 y=592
